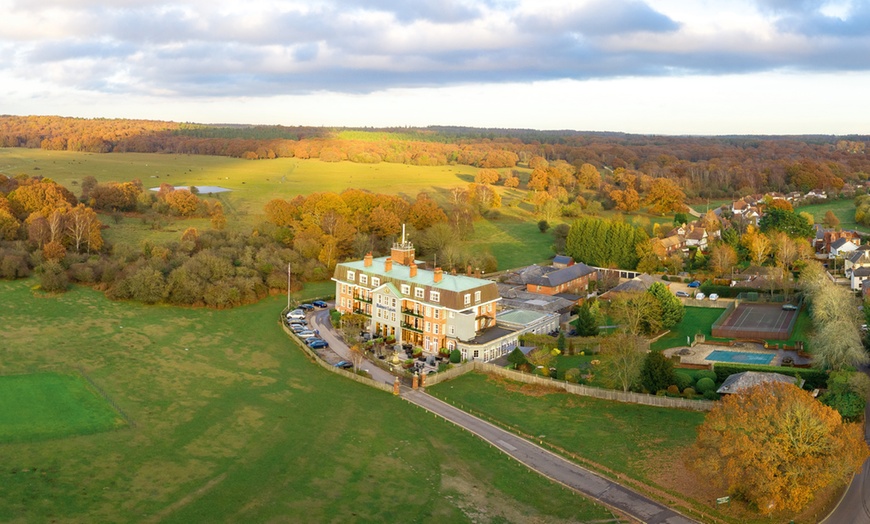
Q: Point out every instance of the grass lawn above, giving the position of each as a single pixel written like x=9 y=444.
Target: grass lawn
x=233 y=424
x=626 y=438
x=696 y=320
x=47 y=405
x=844 y=209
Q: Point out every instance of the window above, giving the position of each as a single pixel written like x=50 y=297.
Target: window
x=436 y=313
x=434 y=296
x=435 y=328
x=418 y=292
x=363 y=279
x=406 y=289
x=350 y=275
x=428 y=326
x=428 y=311
x=393 y=302
x=451 y=330
x=451 y=314
x=376 y=281
x=467 y=299
x=476 y=353
x=476 y=297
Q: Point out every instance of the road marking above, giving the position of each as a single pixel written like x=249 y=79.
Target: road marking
x=505 y=445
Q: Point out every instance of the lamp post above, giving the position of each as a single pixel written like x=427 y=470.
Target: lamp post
x=289 y=279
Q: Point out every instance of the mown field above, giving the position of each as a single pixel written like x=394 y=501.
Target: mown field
x=843 y=209
x=230 y=423
x=513 y=238
x=39 y=406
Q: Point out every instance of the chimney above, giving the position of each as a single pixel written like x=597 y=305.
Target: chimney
x=438 y=274
x=367 y=261
x=413 y=272
x=388 y=264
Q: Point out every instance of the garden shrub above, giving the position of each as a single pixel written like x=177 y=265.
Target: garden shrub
x=673 y=389
x=711 y=395
x=705 y=384
x=706 y=373
x=573 y=375
x=455 y=356
x=683 y=380
x=689 y=392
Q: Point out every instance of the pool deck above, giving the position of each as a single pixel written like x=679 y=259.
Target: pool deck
x=697 y=355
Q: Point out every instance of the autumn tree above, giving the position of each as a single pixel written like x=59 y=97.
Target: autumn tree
x=622 y=356
x=757 y=244
x=588 y=177
x=511 y=182
x=665 y=196
x=722 y=258
x=830 y=221
x=775 y=446
x=627 y=200
x=486 y=176
x=425 y=212
x=280 y=212
x=636 y=313
x=539 y=179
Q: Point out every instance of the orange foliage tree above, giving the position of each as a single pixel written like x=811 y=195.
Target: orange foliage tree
x=775 y=445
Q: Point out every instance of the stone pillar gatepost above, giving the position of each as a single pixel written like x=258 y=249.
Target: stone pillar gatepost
x=396 y=385
x=415 y=381
x=423 y=380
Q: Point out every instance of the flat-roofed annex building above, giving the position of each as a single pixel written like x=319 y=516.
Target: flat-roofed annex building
x=429 y=309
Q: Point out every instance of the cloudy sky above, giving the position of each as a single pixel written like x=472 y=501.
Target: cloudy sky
x=642 y=66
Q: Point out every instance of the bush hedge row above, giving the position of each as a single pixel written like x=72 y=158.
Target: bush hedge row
x=814 y=378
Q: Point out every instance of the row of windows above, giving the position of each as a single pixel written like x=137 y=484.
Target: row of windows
x=419 y=293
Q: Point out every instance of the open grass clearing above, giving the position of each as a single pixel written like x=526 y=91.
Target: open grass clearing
x=50 y=405
x=844 y=209
x=233 y=423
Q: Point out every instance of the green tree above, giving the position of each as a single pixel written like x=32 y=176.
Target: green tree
x=670 y=307
x=516 y=357
x=52 y=277
x=622 y=357
x=587 y=324
x=657 y=372
x=543 y=226
x=786 y=221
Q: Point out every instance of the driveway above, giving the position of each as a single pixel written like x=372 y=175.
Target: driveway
x=319 y=320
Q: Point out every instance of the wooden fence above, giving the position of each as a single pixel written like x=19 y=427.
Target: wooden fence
x=575 y=389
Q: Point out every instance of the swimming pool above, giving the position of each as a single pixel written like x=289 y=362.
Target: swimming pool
x=740 y=357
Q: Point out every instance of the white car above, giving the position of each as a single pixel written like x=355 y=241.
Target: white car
x=700 y=296
x=307 y=334
x=713 y=296
x=296 y=313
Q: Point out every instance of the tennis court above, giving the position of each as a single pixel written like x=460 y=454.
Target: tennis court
x=759 y=321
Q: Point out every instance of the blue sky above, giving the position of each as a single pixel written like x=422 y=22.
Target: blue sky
x=655 y=66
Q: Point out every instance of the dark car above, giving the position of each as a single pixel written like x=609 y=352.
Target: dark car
x=695 y=283
x=317 y=343
x=344 y=364
x=306 y=307
x=321 y=304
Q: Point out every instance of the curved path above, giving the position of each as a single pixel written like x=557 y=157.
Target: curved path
x=549 y=464
x=854 y=507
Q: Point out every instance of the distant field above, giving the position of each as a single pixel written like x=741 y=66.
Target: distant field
x=49 y=405
x=234 y=424
x=844 y=210
x=514 y=239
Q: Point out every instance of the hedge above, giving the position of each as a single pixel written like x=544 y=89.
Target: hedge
x=726 y=291
x=814 y=378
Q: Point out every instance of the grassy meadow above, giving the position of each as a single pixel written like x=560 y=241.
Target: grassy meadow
x=230 y=422
x=513 y=238
x=843 y=209
x=50 y=405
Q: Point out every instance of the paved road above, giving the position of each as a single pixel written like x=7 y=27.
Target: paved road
x=553 y=466
x=538 y=459
x=854 y=508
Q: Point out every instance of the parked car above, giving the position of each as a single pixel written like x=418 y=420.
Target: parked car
x=344 y=364
x=682 y=294
x=317 y=343
x=321 y=304
x=296 y=322
x=695 y=283
x=306 y=307
x=700 y=296
x=713 y=296
x=789 y=307
x=296 y=313
x=308 y=333
x=298 y=328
